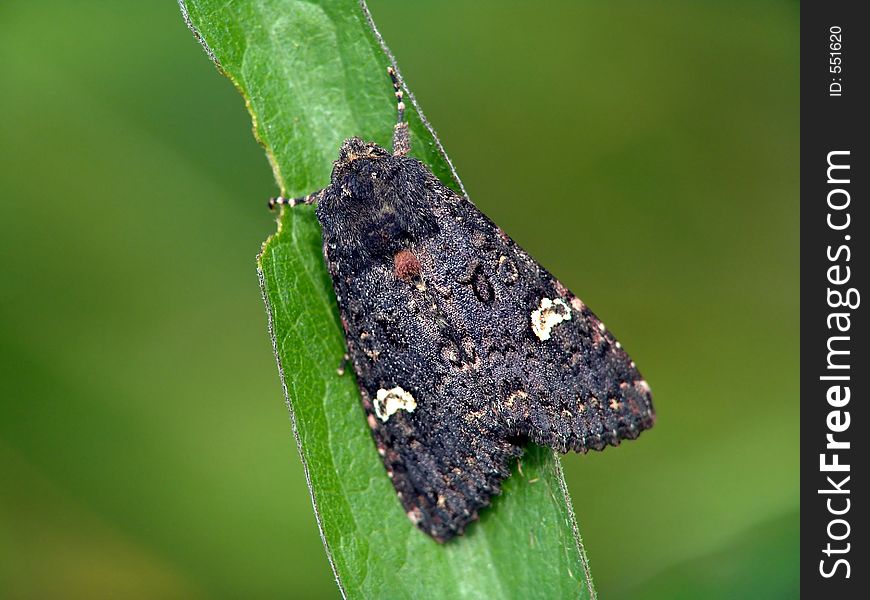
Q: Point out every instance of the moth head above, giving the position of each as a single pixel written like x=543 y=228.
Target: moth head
x=377 y=203
x=354 y=149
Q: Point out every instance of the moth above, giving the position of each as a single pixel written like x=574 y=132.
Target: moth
x=464 y=347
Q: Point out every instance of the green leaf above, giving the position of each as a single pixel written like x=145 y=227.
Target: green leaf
x=313 y=74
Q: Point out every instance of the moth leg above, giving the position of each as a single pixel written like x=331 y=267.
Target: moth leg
x=291 y=202
x=401 y=134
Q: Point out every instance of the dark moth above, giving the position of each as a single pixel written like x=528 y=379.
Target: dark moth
x=464 y=347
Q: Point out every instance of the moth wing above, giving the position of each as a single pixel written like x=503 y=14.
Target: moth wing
x=464 y=346
x=444 y=452
x=551 y=369
x=443 y=473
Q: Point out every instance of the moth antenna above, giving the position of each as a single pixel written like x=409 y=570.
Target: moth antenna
x=400 y=104
x=291 y=202
x=401 y=134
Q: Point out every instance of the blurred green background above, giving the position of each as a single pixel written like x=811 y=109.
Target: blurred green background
x=145 y=449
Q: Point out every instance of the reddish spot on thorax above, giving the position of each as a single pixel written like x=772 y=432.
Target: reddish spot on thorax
x=405 y=265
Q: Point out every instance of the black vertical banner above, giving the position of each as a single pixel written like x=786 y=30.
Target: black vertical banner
x=835 y=225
